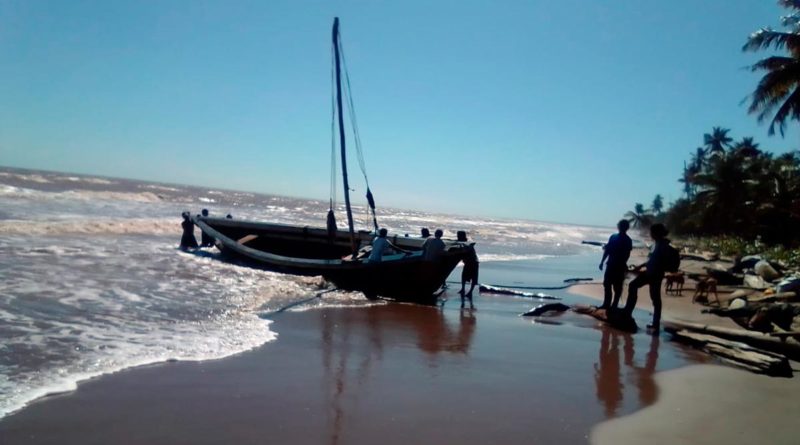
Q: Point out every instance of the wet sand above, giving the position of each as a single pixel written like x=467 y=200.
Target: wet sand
x=708 y=404
x=384 y=374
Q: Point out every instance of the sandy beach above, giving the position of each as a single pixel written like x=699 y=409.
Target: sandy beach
x=708 y=404
x=392 y=373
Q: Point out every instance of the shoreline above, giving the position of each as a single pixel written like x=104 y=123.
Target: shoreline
x=389 y=373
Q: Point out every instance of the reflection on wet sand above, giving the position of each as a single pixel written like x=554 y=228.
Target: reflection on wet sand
x=353 y=343
x=608 y=372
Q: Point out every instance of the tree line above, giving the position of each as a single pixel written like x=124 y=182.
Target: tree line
x=732 y=187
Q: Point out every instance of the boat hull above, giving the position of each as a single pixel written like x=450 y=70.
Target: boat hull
x=312 y=251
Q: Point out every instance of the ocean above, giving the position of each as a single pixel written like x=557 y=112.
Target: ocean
x=92 y=280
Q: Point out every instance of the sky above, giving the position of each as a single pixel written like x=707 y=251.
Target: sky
x=567 y=111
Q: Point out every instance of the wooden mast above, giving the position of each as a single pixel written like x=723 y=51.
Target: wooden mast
x=341 y=134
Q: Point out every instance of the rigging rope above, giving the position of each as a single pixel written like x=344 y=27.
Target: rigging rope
x=356 y=135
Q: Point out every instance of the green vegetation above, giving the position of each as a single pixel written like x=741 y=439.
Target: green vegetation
x=739 y=199
x=778 y=91
x=733 y=189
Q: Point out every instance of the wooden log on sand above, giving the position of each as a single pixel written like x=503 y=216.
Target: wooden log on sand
x=737 y=353
x=787 y=346
x=780 y=296
x=616 y=318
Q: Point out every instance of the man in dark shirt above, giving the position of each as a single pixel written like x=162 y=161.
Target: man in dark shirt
x=470 y=270
x=655 y=267
x=617 y=251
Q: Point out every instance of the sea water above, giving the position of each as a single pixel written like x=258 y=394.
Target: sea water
x=92 y=281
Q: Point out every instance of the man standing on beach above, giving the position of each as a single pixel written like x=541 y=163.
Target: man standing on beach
x=470 y=270
x=656 y=265
x=617 y=251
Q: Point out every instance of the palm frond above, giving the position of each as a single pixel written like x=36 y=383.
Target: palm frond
x=790 y=4
x=773 y=63
x=790 y=108
x=772 y=88
x=765 y=38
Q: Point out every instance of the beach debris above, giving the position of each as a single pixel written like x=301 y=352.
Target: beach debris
x=765 y=270
x=742 y=293
x=772 y=297
x=616 y=318
x=736 y=353
x=737 y=303
x=544 y=308
x=755 y=282
x=485 y=288
x=786 y=344
x=789 y=284
x=577 y=280
x=725 y=277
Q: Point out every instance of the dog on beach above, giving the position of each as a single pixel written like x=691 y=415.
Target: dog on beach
x=705 y=286
x=674 y=282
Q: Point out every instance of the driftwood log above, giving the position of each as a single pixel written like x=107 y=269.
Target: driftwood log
x=787 y=345
x=737 y=353
x=780 y=296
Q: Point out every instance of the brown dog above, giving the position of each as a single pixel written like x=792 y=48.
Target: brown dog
x=705 y=286
x=674 y=282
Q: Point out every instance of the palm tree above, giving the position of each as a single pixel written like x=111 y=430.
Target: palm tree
x=658 y=204
x=638 y=217
x=687 y=179
x=747 y=148
x=723 y=195
x=718 y=141
x=780 y=87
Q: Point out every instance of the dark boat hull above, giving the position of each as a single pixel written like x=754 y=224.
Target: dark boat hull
x=311 y=251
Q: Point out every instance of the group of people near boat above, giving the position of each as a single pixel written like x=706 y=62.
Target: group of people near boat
x=431 y=249
x=651 y=273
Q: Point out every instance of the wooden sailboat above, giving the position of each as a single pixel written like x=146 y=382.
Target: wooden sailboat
x=334 y=253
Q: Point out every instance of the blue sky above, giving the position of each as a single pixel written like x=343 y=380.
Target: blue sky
x=567 y=111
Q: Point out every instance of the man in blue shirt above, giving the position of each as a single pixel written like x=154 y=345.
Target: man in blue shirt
x=617 y=251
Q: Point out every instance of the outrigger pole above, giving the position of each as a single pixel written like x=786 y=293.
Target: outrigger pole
x=341 y=134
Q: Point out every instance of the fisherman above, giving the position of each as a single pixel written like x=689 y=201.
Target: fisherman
x=617 y=251
x=382 y=245
x=433 y=247
x=188 y=241
x=654 y=270
x=205 y=239
x=470 y=270
x=425 y=232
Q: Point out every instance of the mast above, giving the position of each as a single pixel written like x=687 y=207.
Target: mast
x=341 y=133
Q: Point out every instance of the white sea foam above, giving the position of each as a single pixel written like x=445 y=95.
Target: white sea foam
x=83 y=307
x=107 y=226
x=495 y=257
x=91 y=282
x=28 y=178
x=82 y=195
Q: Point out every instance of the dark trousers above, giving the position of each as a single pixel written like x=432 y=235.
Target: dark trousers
x=613 y=281
x=645 y=279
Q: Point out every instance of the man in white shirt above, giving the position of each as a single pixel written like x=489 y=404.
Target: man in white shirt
x=433 y=247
